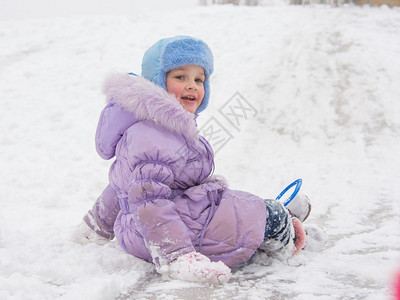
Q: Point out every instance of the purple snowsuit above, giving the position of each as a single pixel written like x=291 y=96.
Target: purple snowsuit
x=162 y=201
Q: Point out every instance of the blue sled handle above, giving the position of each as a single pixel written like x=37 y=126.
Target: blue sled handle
x=298 y=183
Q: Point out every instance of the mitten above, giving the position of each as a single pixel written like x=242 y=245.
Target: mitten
x=300 y=237
x=197 y=268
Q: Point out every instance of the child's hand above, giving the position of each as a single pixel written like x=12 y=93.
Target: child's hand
x=300 y=236
x=198 y=268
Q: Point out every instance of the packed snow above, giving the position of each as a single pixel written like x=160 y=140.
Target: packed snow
x=321 y=85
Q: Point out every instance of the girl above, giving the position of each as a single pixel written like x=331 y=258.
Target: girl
x=162 y=203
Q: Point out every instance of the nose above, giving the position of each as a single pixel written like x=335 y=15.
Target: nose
x=191 y=85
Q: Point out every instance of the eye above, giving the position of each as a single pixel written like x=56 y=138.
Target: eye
x=179 y=77
x=199 y=80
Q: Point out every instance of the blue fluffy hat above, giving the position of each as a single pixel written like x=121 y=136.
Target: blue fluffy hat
x=171 y=53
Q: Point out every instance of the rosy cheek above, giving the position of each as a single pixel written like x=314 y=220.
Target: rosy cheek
x=202 y=94
x=173 y=90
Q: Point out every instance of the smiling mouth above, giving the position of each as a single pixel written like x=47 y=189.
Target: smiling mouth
x=188 y=98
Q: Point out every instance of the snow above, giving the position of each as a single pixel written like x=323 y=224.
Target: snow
x=324 y=85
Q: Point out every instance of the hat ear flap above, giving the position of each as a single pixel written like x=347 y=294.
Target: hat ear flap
x=203 y=105
x=160 y=79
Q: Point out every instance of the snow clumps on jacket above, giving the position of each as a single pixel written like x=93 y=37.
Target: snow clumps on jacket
x=169 y=204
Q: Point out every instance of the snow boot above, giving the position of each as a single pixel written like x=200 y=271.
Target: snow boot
x=83 y=235
x=300 y=207
x=297 y=203
x=316 y=238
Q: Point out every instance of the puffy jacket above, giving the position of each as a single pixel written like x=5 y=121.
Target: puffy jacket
x=170 y=204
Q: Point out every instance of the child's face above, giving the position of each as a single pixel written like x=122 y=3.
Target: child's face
x=186 y=83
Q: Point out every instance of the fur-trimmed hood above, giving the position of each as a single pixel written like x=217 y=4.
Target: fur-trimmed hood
x=147 y=101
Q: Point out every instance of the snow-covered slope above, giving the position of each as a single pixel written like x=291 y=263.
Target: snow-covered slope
x=323 y=85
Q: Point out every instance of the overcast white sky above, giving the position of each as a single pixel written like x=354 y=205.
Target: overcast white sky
x=24 y=9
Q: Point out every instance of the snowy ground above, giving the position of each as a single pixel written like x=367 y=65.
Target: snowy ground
x=324 y=86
